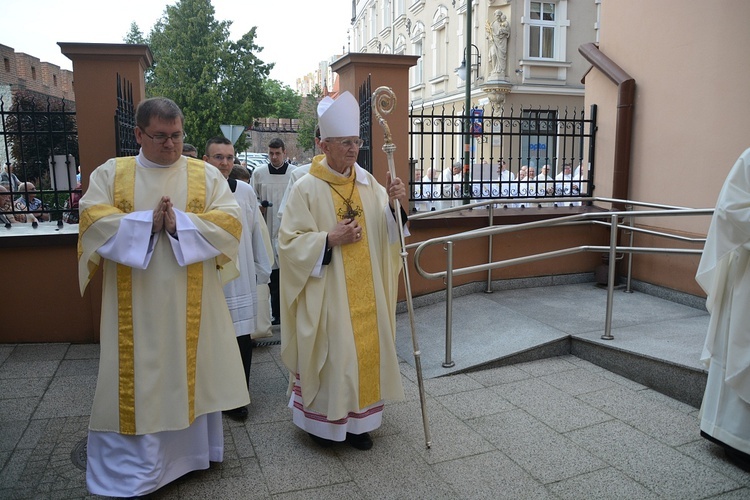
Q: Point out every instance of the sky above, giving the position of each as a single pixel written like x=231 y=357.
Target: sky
x=294 y=34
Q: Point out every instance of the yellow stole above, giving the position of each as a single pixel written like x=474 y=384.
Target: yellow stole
x=359 y=284
x=124 y=200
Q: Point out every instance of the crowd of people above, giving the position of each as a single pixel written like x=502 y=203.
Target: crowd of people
x=19 y=202
x=199 y=258
x=26 y=207
x=436 y=190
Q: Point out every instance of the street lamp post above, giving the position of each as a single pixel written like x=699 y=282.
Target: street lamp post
x=467 y=122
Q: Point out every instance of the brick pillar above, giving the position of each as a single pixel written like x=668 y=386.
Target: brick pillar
x=95 y=70
x=391 y=71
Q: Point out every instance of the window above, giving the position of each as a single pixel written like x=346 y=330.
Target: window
x=538 y=138
x=54 y=80
x=542 y=26
x=417 y=40
x=439 y=42
x=419 y=67
x=373 y=22
x=386 y=14
x=6 y=62
x=33 y=73
x=400 y=45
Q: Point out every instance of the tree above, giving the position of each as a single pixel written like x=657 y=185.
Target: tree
x=135 y=35
x=214 y=80
x=284 y=101
x=37 y=128
x=309 y=119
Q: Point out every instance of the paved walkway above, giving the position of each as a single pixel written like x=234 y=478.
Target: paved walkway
x=559 y=427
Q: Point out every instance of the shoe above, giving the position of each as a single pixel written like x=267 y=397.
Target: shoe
x=360 y=441
x=276 y=321
x=738 y=458
x=325 y=443
x=239 y=414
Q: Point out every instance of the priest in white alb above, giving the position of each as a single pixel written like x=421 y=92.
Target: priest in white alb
x=252 y=261
x=724 y=274
x=165 y=231
x=339 y=254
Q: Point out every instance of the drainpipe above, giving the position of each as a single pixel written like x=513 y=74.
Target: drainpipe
x=624 y=128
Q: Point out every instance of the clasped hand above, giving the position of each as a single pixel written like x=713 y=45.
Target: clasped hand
x=164 y=217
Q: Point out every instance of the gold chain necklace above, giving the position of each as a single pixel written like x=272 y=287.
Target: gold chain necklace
x=350 y=212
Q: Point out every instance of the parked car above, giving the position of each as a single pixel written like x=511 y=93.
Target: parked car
x=246 y=157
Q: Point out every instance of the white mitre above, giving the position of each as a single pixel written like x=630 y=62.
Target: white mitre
x=339 y=117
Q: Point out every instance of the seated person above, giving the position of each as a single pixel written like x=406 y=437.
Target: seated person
x=7 y=178
x=6 y=207
x=28 y=202
x=71 y=204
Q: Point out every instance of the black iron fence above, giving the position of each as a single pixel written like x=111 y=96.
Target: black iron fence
x=125 y=142
x=40 y=177
x=526 y=153
x=364 y=159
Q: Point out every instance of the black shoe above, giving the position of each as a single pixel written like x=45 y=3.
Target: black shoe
x=360 y=441
x=738 y=458
x=276 y=321
x=325 y=443
x=239 y=414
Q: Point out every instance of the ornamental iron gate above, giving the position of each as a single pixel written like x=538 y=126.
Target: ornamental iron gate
x=526 y=153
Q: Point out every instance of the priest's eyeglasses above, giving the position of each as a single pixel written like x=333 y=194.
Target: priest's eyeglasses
x=348 y=143
x=220 y=158
x=177 y=137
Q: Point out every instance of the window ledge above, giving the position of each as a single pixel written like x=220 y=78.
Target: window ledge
x=545 y=63
x=439 y=79
x=417 y=6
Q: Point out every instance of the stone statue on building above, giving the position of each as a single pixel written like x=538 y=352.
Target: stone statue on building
x=498 y=34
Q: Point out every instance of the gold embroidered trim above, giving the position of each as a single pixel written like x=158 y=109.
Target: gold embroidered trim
x=124 y=194
x=360 y=291
x=87 y=218
x=196 y=196
x=224 y=221
x=194 y=294
x=126 y=349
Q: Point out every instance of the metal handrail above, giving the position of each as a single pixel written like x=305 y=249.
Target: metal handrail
x=593 y=218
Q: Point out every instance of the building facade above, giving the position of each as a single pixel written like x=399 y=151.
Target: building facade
x=514 y=58
x=536 y=47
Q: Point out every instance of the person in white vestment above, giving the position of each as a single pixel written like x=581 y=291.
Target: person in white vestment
x=427 y=191
x=263 y=327
x=449 y=183
x=270 y=182
x=340 y=254
x=724 y=274
x=544 y=186
x=253 y=263
x=165 y=231
x=296 y=174
x=564 y=181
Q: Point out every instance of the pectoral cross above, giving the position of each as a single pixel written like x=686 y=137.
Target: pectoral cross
x=350 y=213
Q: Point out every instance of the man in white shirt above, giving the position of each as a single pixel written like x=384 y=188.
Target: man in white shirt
x=255 y=269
